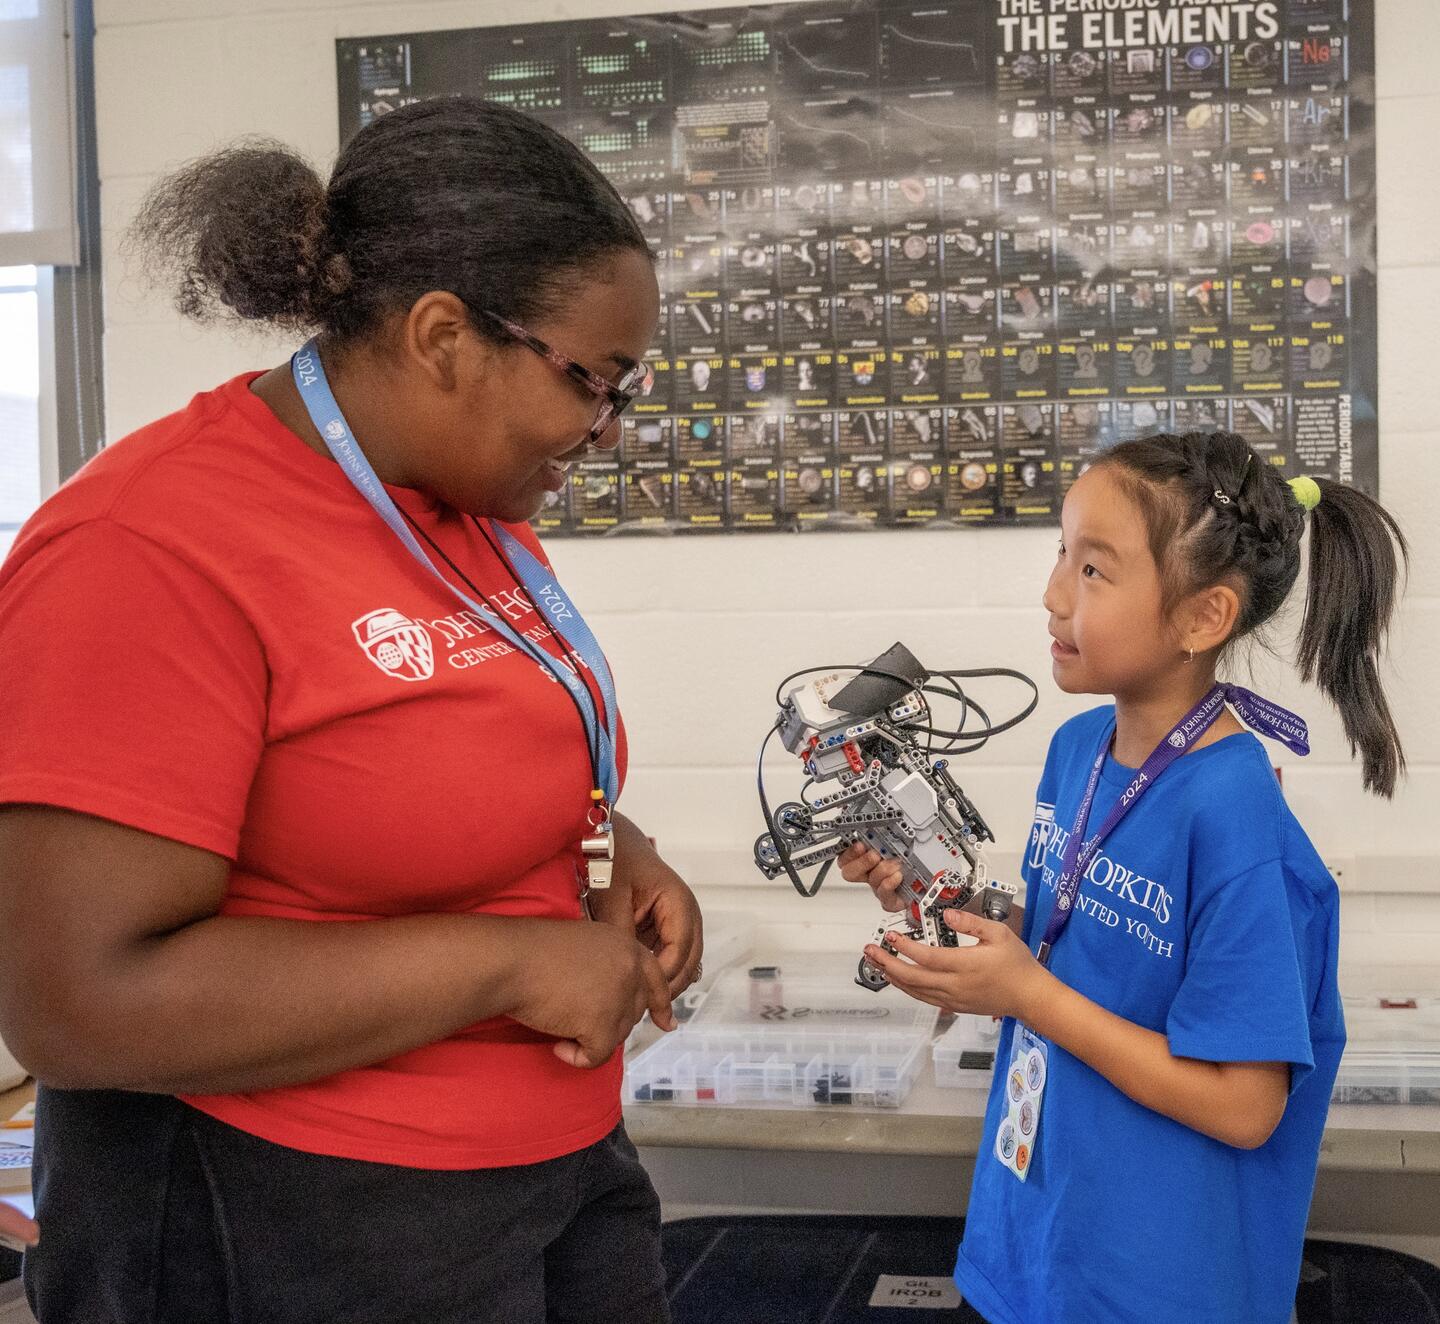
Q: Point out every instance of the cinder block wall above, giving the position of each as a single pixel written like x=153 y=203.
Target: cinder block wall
x=701 y=630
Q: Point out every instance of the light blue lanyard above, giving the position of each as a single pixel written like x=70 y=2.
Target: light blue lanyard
x=540 y=585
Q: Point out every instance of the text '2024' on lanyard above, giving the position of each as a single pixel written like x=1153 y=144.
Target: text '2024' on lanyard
x=540 y=585
x=1269 y=719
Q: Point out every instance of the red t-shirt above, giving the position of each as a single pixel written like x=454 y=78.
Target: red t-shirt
x=209 y=635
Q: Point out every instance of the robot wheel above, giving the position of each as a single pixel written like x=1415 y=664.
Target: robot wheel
x=868 y=976
x=793 y=821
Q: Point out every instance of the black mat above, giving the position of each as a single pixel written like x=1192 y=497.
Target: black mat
x=1344 y=1284
x=822 y=1270
x=786 y=1269
x=804 y=1270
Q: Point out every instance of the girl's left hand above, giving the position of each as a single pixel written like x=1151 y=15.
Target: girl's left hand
x=998 y=977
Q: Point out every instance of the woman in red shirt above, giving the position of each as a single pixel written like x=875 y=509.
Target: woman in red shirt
x=291 y=877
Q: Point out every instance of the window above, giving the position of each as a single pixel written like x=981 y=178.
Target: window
x=22 y=479
x=37 y=134
x=49 y=251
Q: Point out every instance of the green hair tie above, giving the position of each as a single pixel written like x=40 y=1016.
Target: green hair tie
x=1307 y=493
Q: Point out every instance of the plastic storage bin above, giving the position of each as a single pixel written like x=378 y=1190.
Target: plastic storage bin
x=812 y=991
x=1392 y=1051
x=766 y=1069
x=1379 y=1021
x=1388 y=1078
x=797 y=1036
x=965 y=1053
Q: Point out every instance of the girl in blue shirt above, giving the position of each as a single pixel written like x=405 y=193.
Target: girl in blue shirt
x=1189 y=1013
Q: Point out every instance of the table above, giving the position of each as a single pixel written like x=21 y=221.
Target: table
x=11 y=1101
x=947 y=1123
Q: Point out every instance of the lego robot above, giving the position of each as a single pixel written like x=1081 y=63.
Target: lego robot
x=867 y=732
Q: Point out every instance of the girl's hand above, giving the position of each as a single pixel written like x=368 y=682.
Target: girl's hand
x=999 y=977
x=861 y=864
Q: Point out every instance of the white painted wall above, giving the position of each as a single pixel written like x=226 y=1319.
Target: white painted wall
x=700 y=630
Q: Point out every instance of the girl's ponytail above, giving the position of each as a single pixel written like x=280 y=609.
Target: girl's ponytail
x=1354 y=582
x=1216 y=512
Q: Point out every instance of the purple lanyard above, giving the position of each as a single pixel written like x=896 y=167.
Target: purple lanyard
x=1267 y=718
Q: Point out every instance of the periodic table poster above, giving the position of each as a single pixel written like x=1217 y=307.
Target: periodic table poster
x=920 y=262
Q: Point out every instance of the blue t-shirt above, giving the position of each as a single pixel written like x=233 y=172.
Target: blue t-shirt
x=1207 y=916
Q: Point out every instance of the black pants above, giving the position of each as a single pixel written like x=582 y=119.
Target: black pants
x=154 y=1213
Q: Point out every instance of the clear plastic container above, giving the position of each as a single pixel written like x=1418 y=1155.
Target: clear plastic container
x=1392 y=1050
x=775 y=1069
x=812 y=992
x=965 y=1053
x=1375 y=1021
x=796 y=1035
x=1388 y=1078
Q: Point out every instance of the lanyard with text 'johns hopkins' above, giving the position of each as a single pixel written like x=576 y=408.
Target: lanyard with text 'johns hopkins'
x=1267 y=718
x=540 y=585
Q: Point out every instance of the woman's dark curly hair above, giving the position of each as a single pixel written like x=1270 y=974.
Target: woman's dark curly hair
x=457 y=194
x=1216 y=512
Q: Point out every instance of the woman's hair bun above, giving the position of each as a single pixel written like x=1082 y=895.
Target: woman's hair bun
x=242 y=233
x=454 y=193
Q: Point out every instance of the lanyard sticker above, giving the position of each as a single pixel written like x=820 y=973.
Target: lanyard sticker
x=1024 y=1090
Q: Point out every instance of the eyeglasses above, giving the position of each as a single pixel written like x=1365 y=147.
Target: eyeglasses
x=615 y=397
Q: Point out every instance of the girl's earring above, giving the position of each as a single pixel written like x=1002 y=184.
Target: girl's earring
x=1189 y=655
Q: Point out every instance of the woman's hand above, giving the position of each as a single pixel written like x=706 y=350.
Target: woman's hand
x=655 y=903
x=116 y=972
x=588 y=985
x=861 y=864
x=998 y=977
x=668 y=922
x=15 y=1225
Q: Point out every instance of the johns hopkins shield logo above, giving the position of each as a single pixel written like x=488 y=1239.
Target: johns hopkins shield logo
x=1177 y=739
x=397 y=645
x=1040 y=833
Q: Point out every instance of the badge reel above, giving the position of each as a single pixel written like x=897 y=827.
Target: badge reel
x=1024 y=1091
